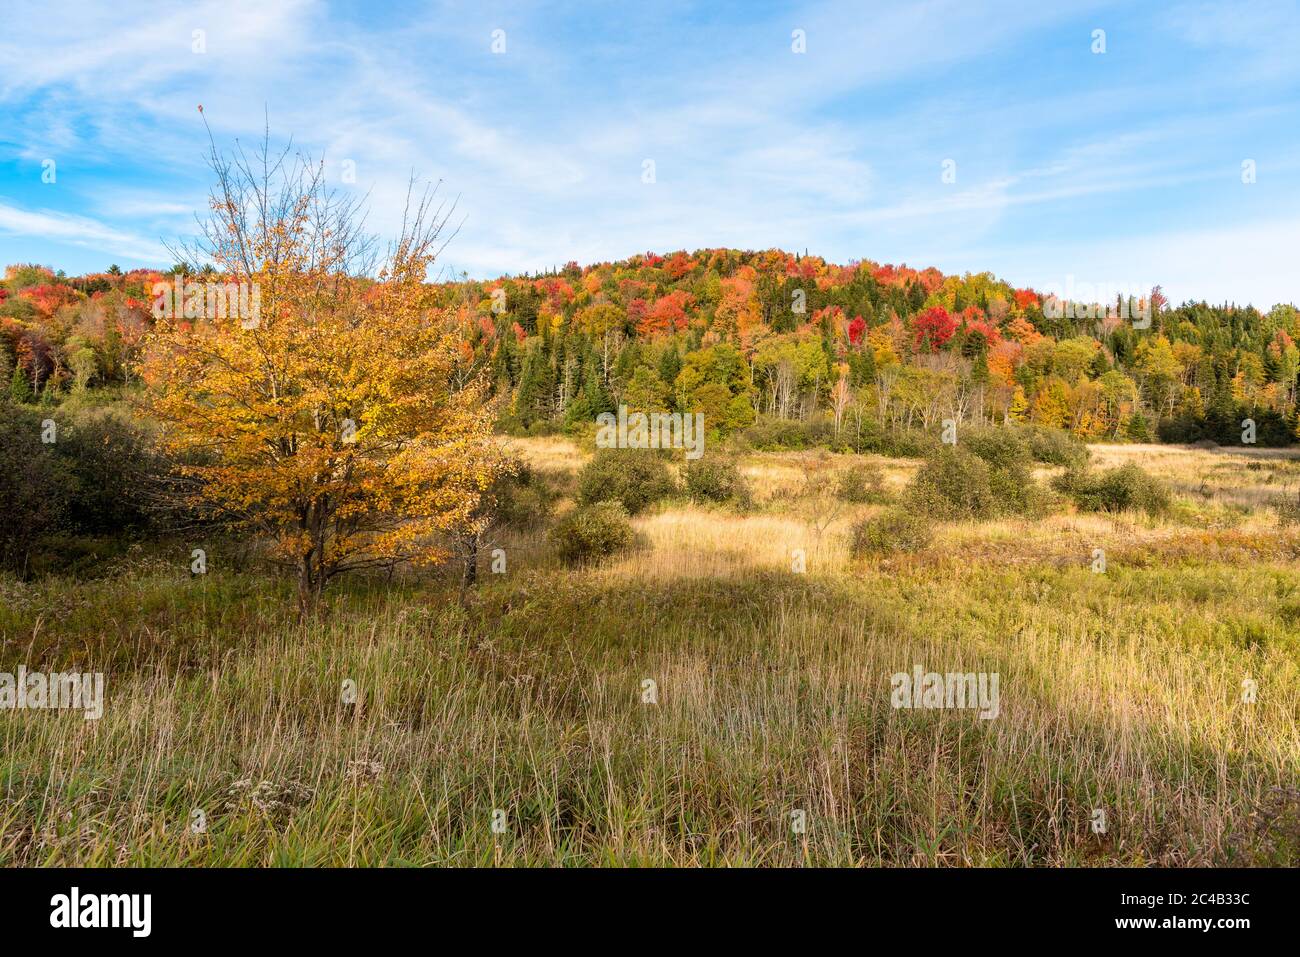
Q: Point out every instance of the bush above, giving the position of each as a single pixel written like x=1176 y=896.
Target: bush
x=1272 y=429
x=114 y=462
x=1053 y=446
x=903 y=443
x=1115 y=490
x=635 y=477
x=716 y=479
x=953 y=483
x=36 y=486
x=777 y=435
x=591 y=532
x=64 y=499
x=1001 y=448
x=522 y=499
x=956 y=483
x=892 y=531
x=774 y=435
x=861 y=483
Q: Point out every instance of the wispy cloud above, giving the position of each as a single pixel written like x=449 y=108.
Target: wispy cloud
x=78 y=231
x=837 y=149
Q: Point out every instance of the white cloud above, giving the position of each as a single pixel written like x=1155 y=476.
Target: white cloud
x=836 y=149
x=1247 y=264
x=78 y=231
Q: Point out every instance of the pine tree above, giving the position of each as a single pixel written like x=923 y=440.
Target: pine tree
x=20 y=389
x=1019 y=408
x=626 y=363
x=596 y=396
x=536 y=387
x=580 y=409
x=862 y=367
x=506 y=362
x=1137 y=429
x=670 y=365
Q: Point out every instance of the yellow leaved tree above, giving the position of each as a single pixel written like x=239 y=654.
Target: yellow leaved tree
x=338 y=420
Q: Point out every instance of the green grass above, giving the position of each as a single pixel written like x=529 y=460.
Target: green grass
x=1119 y=692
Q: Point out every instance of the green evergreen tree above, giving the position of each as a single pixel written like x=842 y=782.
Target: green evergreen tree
x=862 y=367
x=20 y=389
x=533 y=401
x=1137 y=429
x=670 y=364
x=979 y=370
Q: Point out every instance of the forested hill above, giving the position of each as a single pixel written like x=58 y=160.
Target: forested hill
x=739 y=335
x=744 y=336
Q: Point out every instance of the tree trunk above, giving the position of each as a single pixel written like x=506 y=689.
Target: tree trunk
x=311 y=580
x=469 y=578
x=304 y=587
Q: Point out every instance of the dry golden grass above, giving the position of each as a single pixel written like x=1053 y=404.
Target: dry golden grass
x=1120 y=691
x=553 y=454
x=1246 y=476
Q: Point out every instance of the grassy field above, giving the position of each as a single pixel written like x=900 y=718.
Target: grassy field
x=510 y=727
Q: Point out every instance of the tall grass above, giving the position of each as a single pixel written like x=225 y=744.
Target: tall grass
x=1119 y=691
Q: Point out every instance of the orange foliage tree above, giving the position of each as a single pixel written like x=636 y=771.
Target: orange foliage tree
x=338 y=422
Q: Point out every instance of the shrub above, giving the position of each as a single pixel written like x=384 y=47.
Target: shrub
x=1115 y=490
x=36 y=486
x=864 y=482
x=115 y=465
x=716 y=479
x=892 y=531
x=542 y=427
x=1001 y=448
x=957 y=483
x=1053 y=446
x=903 y=443
x=1182 y=430
x=523 y=499
x=64 y=499
x=772 y=435
x=775 y=435
x=591 y=532
x=953 y=483
x=635 y=477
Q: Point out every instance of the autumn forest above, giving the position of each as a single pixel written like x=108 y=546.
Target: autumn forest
x=832 y=354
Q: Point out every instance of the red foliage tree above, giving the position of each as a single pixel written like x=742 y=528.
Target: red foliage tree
x=557 y=292
x=857 y=330
x=933 y=328
x=636 y=310
x=678 y=265
x=48 y=298
x=668 y=314
x=1026 y=299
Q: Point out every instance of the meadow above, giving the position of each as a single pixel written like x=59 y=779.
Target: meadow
x=413 y=722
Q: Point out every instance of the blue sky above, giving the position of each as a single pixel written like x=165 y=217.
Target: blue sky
x=1123 y=166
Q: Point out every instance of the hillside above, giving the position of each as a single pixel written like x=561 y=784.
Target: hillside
x=832 y=352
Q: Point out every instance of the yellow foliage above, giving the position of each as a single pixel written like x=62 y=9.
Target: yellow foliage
x=335 y=422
